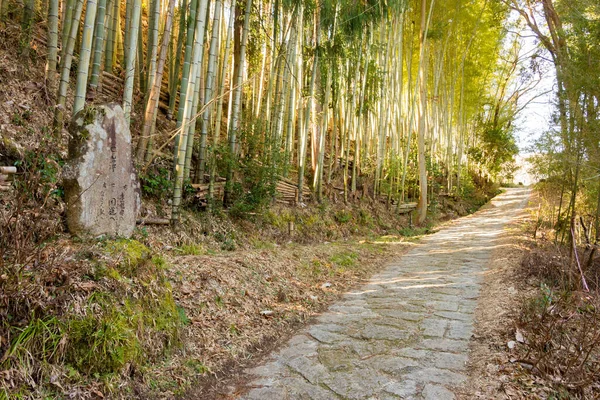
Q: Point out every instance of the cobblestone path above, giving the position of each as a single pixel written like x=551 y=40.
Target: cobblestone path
x=403 y=335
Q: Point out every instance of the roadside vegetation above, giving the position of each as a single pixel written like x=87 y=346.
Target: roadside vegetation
x=560 y=323
x=366 y=107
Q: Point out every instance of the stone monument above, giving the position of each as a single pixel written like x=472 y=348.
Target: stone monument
x=102 y=190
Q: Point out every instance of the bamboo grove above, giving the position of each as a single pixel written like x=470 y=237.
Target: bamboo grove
x=391 y=99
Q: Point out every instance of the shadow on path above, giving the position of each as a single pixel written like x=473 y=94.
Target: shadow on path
x=403 y=335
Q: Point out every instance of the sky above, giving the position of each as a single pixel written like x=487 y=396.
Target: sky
x=535 y=118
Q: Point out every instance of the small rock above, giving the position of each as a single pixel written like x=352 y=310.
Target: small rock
x=519 y=336
x=326 y=285
x=267 y=313
x=511 y=344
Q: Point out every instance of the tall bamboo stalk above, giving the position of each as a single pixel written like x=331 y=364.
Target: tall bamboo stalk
x=198 y=95
x=185 y=75
x=98 y=45
x=187 y=110
x=174 y=81
x=111 y=36
x=65 y=75
x=84 y=55
x=52 y=42
x=234 y=126
x=152 y=105
x=152 y=47
x=309 y=107
x=130 y=67
x=208 y=90
x=220 y=99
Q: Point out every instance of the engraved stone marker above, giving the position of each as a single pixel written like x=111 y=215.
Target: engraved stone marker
x=101 y=186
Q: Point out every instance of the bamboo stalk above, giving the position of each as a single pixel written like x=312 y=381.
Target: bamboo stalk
x=85 y=55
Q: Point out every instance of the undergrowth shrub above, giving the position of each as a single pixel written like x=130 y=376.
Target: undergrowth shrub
x=156 y=182
x=344 y=259
x=343 y=216
x=561 y=323
x=562 y=340
x=256 y=190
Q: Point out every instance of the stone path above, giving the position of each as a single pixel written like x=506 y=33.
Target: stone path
x=405 y=334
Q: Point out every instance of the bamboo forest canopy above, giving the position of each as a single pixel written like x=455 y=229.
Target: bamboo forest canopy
x=392 y=99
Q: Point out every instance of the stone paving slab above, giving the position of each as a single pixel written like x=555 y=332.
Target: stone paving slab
x=403 y=335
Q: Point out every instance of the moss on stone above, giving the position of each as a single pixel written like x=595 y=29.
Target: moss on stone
x=130 y=252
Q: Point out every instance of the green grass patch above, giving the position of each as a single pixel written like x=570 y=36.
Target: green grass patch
x=414 y=231
x=343 y=216
x=130 y=318
x=345 y=259
x=191 y=250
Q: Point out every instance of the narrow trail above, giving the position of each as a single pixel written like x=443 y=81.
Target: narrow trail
x=403 y=335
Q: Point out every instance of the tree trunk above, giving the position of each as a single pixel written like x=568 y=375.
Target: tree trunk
x=185 y=76
x=422 y=206
x=195 y=116
x=111 y=38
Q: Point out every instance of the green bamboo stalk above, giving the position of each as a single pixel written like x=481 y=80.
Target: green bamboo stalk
x=119 y=46
x=128 y=10
x=185 y=76
x=309 y=106
x=187 y=111
x=221 y=97
x=237 y=103
x=322 y=139
x=197 y=97
x=152 y=48
x=27 y=26
x=52 y=42
x=109 y=52
x=152 y=105
x=84 y=55
x=291 y=104
x=66 y=70
x=130 y=67
x=66 y=26
x=99 y=45
x=208 y=90
x=175 y=78
x=361 y=103
x=141 y=75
